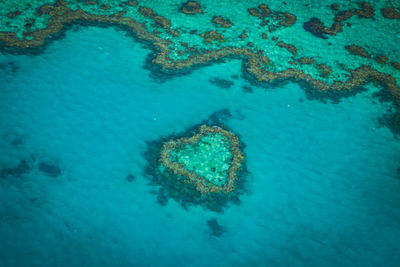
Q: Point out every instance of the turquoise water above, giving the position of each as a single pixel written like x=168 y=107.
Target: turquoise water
x=323 y=185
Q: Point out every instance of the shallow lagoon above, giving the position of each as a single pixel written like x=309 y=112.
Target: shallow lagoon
x=323 y=186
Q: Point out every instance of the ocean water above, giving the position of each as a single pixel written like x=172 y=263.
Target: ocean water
x=323 y=187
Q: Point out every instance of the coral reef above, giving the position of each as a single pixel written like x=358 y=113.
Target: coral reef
x=381 y=59
x=175 y=51
x=172 y=185
x=210 y=159
x=212 y=36
x=191 y=7
x=357 y=50
x=390 y=13
x=271 y=18
x=317 y=27
x=223 y=22
x=291 y=48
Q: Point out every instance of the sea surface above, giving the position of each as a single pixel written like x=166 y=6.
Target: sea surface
x=322 y=179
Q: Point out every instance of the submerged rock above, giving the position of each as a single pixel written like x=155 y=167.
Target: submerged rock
x=215 y=228
x=49 y=169
x=22 y=168
x=130 y=178
x=222 y=83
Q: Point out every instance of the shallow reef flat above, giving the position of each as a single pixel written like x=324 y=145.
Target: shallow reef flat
x=331 y=45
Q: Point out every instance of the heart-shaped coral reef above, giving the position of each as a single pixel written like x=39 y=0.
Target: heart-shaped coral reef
x=210 y=159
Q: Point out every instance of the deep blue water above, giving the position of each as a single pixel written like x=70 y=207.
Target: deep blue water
x=323 y=187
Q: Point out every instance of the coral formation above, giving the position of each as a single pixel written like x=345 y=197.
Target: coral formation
x=179 y=46
x=317 y=27
x=200 y=191
x=191 y=7
x=357 y=50
x=390 y=13
x=271 y=18
x=291 y=48
x=212 y=36
x=210 y=159
x=223 y=22
x=215 y=228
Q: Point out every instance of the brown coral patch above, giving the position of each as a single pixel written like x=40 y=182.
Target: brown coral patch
x=395 y=65
x=366 y=11
x=260 y=11
x=264 y=36
x=289 y=47
x=306 y=60
x=381 y=59
x=357 y=50
x=212 y=36
x=335 y=7
x=14 y=14
x=288 y=19
x=105 y=7
x=173 y=32
x=243 y=35
x=159 y=21
x=91 y=3
x=45 y=9
x=324 y=70
x=271 y=18
x=390 y=13
x=317 y=27
x=191 y=8
x=146 y=11
x=221 y=21
x=132 y=3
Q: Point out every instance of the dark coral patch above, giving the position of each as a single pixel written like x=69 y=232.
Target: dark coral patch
x=215 y=228
x=130 y=178
x=381 y=59
x=366 y=11
x=395 y=65
x=49 y=169
x=289 y=47
x=212 y=36
x=391 y=120
x=324 y=70
x=390 y=13
x=222 y=83
x=22 y=168
x=357 y=50
x=221 y=21
x=288 y=19
x=14 y=14
x=191 y=8
x=316 y=27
